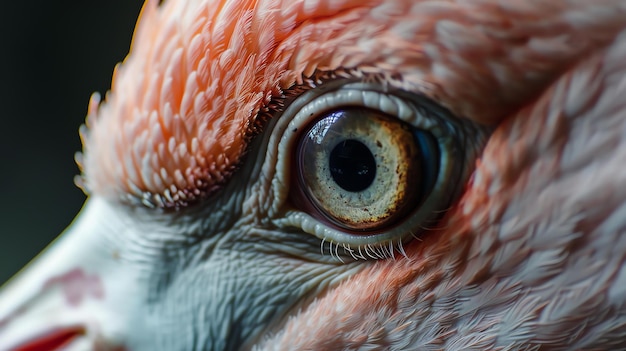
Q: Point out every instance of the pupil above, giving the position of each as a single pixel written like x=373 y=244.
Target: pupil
x=352 y=165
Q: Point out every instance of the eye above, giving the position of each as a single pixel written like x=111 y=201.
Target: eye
x=363 y=170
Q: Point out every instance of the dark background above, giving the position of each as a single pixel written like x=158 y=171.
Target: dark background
x=52 y=57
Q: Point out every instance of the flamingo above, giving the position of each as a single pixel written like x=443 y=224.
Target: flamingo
x=347 y=175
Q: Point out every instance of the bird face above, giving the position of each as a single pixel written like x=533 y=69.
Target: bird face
x=380 y=175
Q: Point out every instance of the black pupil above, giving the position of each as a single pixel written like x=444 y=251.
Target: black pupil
x=352 y=165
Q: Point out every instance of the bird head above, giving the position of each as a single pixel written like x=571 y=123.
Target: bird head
x=358 y=175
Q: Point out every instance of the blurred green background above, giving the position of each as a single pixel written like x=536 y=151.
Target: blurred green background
x=53 y=55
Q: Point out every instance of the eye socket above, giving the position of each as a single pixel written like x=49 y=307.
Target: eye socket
x=362 y=170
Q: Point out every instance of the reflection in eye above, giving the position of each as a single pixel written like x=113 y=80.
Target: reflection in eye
x=362 y=170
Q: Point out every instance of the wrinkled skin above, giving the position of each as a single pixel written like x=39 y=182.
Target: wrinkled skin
x=191 y=237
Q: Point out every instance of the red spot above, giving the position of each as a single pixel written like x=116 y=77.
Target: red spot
x=53 y=340
x=76 y=286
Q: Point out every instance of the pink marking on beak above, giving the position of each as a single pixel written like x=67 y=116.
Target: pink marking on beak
x=77 y=285
x=52 y=340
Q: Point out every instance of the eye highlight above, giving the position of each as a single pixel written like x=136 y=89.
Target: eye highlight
x=358 y=168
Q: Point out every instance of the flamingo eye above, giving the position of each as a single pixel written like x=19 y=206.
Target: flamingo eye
x=363 y=170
